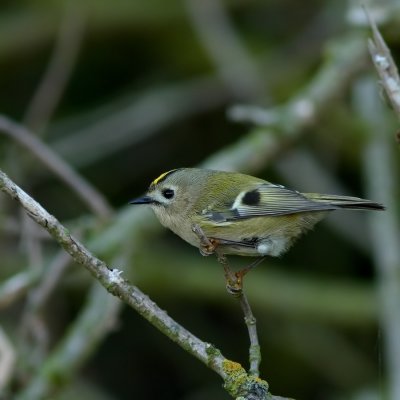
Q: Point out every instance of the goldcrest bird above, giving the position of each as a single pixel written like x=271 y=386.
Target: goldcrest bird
x=238 y=214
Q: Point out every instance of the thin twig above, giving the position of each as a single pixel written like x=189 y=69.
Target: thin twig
x=237 y=381
x=250 y=320
x=385 y=65
x=92 y=198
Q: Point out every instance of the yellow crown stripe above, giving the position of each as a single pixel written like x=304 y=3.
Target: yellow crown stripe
x=162 y=177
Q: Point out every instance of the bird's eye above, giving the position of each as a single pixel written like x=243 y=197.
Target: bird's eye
x=168 y=193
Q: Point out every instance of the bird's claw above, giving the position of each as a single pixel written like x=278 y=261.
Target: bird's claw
x=207 y=246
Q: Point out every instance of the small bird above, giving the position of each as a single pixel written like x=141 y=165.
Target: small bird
x=233 y=213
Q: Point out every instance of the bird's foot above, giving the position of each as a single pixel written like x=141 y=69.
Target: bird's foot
x=207 y=246
x=234 y=280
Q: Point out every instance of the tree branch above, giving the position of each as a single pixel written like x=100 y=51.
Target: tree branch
x=385 y=66
x=250 y=320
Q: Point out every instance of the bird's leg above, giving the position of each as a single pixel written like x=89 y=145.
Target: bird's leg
x=207 y=246
x=240 y=274
x=232 y=280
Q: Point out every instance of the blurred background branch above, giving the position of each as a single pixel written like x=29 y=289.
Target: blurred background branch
x=59 y=69
x=94 y=200
x=7 y=360
x=233 y=62
x=382 y=178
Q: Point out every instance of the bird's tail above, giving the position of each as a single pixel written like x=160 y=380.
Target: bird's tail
x=338 y=201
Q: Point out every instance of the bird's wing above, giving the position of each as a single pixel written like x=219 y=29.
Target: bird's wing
x=267 y=200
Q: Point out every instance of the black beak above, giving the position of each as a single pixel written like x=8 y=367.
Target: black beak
x=142 y=200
